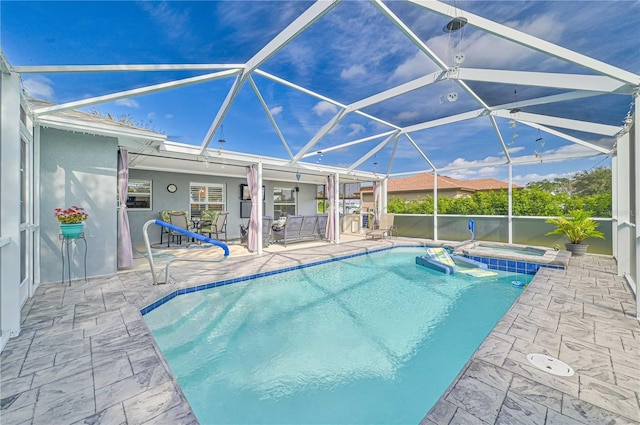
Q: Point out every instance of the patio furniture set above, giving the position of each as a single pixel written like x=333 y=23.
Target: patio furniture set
x=209 y=223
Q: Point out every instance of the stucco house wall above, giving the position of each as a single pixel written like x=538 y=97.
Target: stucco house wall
x=78 y=169
x=163 y=200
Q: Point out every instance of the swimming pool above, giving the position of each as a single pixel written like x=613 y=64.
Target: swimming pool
x=370 y=339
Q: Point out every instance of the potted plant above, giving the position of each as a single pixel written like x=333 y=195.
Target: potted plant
x=576 y=227
x=71 y=221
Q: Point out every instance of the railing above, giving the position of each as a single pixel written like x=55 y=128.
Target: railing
x=171 y=259
x=527 y=230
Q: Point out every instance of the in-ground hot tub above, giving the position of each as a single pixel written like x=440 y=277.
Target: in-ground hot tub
x=495 y=253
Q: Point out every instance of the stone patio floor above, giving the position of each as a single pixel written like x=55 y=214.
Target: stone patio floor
x=86 y=356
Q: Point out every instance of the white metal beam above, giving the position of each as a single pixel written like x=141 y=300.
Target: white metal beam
x=373 y=151
x=393 y=155
x=567 y=137
x=422 y=154
x=444 y=121
x=424 y=48
x=584 y=126
x=319 y=135
x=530 y=41
x=346 y=145
x=409 y=34
x=299 y=88
x=572 y=95
x=316 y=11
x=222 y=112
x=418 y=83
x=545 y=79
x=135 y=92
x=270 y=117
x=500 y=139
x=67 y=69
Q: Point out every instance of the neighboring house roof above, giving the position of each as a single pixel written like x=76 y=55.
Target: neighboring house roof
x=489 y=184
x=424 y=182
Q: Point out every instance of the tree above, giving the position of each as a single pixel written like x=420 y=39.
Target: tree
x=593 y=182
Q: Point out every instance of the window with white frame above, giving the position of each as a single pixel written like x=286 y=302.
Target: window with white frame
x=139 y=195
x=284 y=202
x=207 y=196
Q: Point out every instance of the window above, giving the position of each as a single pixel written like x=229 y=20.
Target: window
x=207 y=196
x=348 y=202
x=139 y=195
x=284 y=202
x=321 y=199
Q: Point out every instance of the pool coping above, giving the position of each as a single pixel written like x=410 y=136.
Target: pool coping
x=524 y=267
x=85 y=352
x=551 y=257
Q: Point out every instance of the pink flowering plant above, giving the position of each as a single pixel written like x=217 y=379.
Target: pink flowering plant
x=72 y=215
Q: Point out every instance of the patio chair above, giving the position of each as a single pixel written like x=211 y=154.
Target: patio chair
x=385 y=227
x=267 y=222
x=178 y=219
x=166 y=217
x=214 y=222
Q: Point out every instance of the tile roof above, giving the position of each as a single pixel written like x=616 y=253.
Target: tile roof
x=424 y=182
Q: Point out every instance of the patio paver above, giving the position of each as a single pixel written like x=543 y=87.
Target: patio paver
x=85 y=354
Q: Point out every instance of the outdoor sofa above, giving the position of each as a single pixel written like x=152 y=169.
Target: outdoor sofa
x=298 y=228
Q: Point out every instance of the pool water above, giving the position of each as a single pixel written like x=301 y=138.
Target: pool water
x=370 y=339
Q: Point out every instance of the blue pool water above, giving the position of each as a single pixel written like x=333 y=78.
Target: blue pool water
x=370 y=339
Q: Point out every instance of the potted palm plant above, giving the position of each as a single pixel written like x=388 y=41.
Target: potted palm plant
x=576 y=227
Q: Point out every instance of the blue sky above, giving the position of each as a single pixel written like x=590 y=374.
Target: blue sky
x=351 y=53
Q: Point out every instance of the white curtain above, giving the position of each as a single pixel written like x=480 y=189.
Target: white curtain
x=252 y=182
x=330 y=231
x=125 y=251
x=376 y=203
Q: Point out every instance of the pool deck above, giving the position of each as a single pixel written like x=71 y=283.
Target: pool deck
x=86 y=356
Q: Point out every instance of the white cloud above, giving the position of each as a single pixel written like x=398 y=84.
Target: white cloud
x=407 y=115
x=169 y=116
x=129 y=103
x=534 y=177
x=353 y=71
x=39 y=87
x=515 y=149
x=176 y=22
x=276 y=110
x=151 y=115
x=355 y=129
x=415 y=66
x=324 y=107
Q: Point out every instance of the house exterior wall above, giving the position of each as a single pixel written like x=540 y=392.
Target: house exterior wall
x=78 y=169
x=180 y=200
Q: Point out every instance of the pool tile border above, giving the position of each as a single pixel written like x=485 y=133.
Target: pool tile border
x=219 y=283
x=493 y=263
x=515 y=266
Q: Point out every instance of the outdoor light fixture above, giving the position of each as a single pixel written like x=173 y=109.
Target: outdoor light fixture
x=221 y=139
x=298 y=175
x=455 y=24
x=515 y=110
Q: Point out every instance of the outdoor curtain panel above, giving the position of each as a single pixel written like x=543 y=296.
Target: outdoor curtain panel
x=330 y=231
x=252 y=182
x=376 y=202
x=125 y=252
